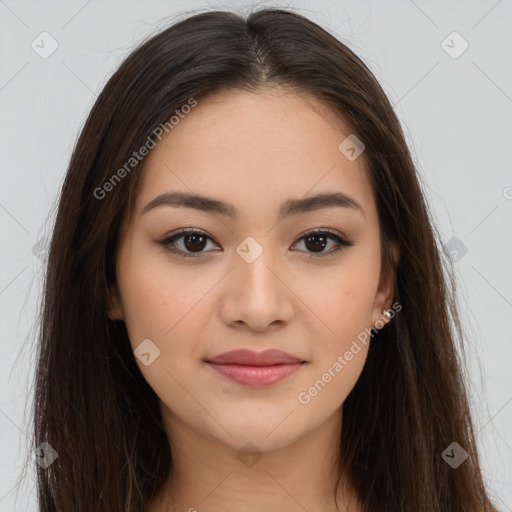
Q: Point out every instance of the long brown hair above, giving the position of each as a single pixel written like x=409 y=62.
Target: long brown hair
x=91 y=402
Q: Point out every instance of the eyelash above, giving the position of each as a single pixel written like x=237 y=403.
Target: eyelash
x=166 y=242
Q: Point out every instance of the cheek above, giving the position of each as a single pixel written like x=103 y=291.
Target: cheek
x=146 y=296
x=166 y=309
x=331 y=381
x=339 y=354
x=156 y=301
x=344 y=305
x=344 y=302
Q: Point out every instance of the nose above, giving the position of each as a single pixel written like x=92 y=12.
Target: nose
x=257 y=295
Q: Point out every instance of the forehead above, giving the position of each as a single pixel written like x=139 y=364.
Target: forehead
x=255 y=149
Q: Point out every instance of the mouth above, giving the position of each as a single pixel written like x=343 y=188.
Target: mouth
x=255 y=369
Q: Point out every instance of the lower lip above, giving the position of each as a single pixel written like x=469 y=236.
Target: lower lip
x=256 y=376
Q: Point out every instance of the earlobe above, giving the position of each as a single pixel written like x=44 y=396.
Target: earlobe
x=114 y=310
x=383 y=301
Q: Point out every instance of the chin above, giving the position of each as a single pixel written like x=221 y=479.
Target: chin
x=256 y=441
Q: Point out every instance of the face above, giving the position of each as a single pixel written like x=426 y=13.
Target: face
x=250 y=276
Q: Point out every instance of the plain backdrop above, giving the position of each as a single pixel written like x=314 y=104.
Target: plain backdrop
x=452 y=93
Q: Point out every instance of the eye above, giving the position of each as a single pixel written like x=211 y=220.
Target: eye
x=317 y=240
x=192 y=242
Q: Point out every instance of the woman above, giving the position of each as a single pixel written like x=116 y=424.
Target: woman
x=245 y=307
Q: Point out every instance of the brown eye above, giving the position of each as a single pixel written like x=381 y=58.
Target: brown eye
x=316 y=241
x=189 y=242
x=194 y=242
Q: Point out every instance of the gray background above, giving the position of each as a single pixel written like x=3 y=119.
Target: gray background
x=456 y=113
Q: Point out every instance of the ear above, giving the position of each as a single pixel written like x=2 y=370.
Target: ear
x=114 y=310
x=385 y=290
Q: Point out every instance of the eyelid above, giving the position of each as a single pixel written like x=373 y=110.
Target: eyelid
x=175 y=235
x=314 y=231
x=341 y=240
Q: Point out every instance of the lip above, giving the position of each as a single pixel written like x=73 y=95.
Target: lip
x=252 y=358
x=255 y=369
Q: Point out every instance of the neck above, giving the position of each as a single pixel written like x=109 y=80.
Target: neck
x=208 y=476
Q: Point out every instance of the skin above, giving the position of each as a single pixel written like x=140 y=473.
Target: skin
x=254 y=151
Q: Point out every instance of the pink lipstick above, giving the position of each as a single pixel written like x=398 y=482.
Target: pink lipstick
x=255 y=369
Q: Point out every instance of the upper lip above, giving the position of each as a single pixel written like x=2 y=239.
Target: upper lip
x=249 y=357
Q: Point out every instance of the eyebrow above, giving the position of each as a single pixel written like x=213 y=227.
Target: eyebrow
x=288 y=208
